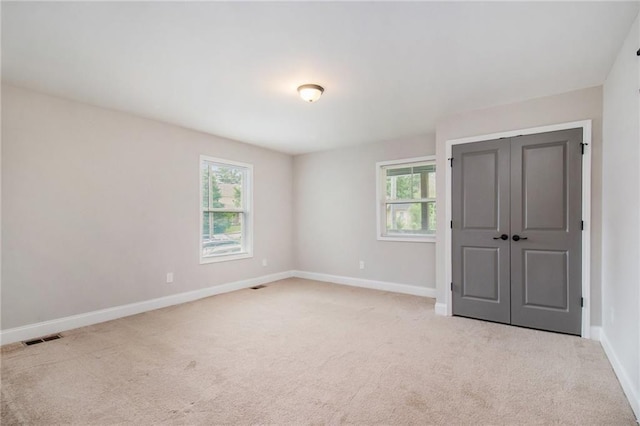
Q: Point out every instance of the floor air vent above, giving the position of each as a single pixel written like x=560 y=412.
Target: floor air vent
x=258 y=287
x=41 y=339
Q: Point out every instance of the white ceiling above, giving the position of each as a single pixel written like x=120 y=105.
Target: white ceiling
x=390 y=70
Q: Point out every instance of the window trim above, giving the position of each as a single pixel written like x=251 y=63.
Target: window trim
x=247 y=228
x=380 y=201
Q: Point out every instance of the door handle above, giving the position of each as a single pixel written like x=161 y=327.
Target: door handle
x=518 y=238
x=502 y=237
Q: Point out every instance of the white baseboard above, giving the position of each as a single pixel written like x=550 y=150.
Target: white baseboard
x=596 y=332
x=61 y=324
x=633 y=395
x=372 y=284
x=441 y=309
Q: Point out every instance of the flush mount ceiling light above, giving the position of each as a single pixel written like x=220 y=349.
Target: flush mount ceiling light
x=310 y=92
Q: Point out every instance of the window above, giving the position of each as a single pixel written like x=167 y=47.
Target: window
x=225 y=210
x=407 y=199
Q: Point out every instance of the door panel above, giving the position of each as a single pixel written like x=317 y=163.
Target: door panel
x=546 y=284
x=546 y=211
x=544 y=186
x=480 y=190
x=480 y=273
x=480 y=201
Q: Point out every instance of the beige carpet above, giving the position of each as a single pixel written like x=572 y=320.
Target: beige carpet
x=301 y=352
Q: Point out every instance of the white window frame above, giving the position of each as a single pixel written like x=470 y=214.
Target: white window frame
x=246 y=210
x=381 y=200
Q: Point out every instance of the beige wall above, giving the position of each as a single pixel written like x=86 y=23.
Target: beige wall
x=573 y=106
x=335 y=212
x=101 y=205
x=621 y=215
x=98 y=206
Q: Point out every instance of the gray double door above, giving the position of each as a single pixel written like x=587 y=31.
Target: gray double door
x=517 y=230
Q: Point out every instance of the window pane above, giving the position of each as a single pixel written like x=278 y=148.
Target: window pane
x=225 y=186
x=410 y=183
x=431 y=215
x=204 y=170
x=415 y=185
x=410 y=218
x=397 y=171
x=222 y=233
x=432 y=185
x=403 y=187
x=389 y=182
x=425 y=168
x=206 y=223
x=399 y=183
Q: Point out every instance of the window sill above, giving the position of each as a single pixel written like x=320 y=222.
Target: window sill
x=407 y=239
x=225 y=258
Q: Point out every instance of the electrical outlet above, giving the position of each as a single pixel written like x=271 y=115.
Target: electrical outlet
x=169 y=277
x=362 y=264
x=264 y=262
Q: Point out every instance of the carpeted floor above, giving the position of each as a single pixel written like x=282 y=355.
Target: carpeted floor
x=301 y=352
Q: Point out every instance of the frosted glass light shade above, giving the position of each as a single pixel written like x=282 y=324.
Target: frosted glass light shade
x=310 y=92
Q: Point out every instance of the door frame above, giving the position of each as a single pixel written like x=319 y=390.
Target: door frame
x=585 y=125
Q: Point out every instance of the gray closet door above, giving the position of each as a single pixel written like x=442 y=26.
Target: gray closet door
x=546 y=215
x=480 y=258
x=517 y=230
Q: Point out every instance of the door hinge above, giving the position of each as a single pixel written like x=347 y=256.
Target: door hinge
x=450 y=161
x=582 y=225
x=582 y=145
x=451 y=224
x=582 y=302
x=451 y=287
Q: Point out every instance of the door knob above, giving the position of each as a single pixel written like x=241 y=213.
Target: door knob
x=518 y=238
x=502 y=237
